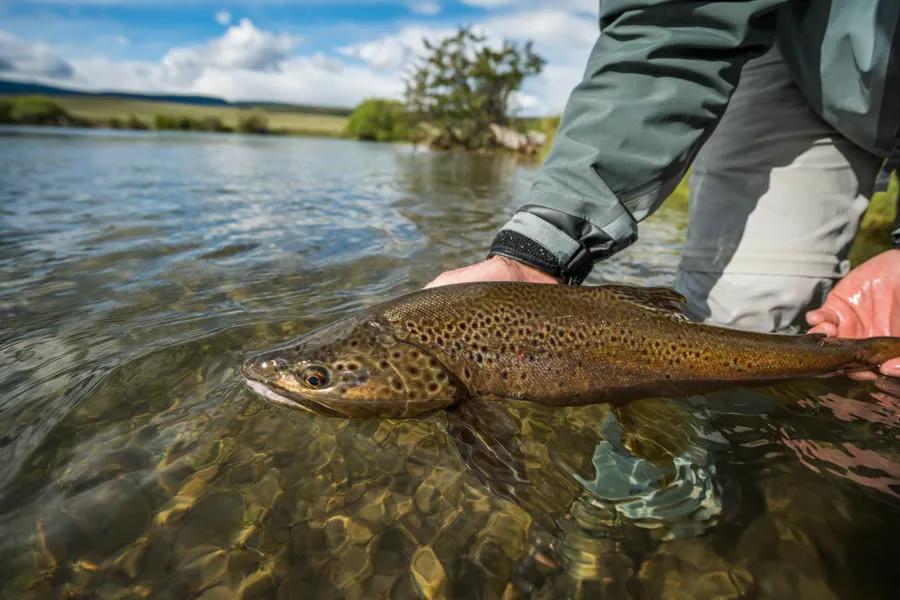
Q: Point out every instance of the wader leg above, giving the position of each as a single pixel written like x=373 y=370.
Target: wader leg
x=776 y=199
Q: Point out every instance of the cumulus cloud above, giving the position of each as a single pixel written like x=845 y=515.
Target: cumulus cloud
x=27 y=59
x=584 y=6
x=488 y=3
x=223 y=18
x=249 y=63
x=396 y=51
x=563 y=37
x=242 y=47
x=424 y=7
x=557 y=34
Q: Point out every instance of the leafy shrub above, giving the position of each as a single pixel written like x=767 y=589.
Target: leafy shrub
x=253 y=122
x=379 y=120
x=184 y=123
x=5 y=111
x=37 y=110
x=463 y=85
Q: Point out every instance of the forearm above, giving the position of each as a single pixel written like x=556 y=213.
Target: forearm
x=657 y=82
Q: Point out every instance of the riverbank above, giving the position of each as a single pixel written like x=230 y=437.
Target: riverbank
x=124 y=113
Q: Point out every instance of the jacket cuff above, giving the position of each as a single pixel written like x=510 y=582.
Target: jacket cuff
x=560 y=244
x=895 y=238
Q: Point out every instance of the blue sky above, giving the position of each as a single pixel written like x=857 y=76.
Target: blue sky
x=310 y=51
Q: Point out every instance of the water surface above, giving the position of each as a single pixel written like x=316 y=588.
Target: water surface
x=136 y=269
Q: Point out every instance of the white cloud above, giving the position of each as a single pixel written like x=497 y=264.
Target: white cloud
x=30 y=59
x=583 y=6
x=242 y=46
x=249 y=63
x=424 y=7
x=396 y=51
x=223 y=18
x=558 y=35
x=489 y=3
x=563 y=37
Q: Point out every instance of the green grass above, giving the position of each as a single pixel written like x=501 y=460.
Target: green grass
x=877 y=224
x=103 y=110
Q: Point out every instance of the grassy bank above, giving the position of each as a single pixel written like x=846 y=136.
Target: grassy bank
x=136 y=114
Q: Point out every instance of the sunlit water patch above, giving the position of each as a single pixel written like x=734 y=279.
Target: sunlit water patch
x=136 y=271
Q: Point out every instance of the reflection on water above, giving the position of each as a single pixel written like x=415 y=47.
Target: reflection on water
x=136 y=269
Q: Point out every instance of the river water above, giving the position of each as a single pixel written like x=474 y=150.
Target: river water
x=137 y=269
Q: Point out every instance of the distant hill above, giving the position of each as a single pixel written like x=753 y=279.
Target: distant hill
x=20 y=88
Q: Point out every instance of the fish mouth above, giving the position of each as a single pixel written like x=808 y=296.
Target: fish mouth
x=306 y=404
x=272 y=396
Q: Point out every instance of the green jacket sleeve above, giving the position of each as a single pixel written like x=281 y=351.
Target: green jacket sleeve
x=656 y=84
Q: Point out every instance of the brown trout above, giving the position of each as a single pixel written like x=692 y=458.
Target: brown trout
x=552 y=344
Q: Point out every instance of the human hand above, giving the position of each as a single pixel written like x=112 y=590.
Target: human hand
x=865 y=303
x=495 y=268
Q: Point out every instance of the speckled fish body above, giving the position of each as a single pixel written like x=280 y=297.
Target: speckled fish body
x=552 y=344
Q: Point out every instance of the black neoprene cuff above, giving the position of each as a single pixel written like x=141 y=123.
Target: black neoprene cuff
x=588 y=244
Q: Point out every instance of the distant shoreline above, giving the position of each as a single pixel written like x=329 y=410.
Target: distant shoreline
x=137 y=114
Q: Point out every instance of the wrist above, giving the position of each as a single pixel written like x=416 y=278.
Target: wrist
x=522 y=271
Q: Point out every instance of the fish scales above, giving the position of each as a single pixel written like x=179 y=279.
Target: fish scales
x=558 y=345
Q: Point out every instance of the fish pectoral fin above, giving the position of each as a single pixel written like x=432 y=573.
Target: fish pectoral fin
x=657 y=429
x=487 y=440
x=653 y=298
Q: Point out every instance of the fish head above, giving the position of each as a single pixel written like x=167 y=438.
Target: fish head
x=353 y=368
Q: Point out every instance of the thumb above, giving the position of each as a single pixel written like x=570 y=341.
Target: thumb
x=822 y=315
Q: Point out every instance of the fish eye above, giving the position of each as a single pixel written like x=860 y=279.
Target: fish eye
x=315 y=377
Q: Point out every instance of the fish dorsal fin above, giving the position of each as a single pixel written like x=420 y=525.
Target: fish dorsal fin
x=657 y=299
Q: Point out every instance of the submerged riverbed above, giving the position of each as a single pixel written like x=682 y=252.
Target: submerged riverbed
x=137 y=269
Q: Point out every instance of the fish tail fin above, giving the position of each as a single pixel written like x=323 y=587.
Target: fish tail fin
x=876 y=350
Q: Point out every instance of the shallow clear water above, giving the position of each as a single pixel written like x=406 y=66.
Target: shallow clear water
x=136 y=269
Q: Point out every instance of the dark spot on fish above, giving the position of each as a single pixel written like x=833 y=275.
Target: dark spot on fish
x=504 y=374
x=413 y=370
x=397 y=384
x=433 y=387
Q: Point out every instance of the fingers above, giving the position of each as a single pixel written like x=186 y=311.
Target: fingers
x=891 y=368
x=815 y=317
x=825 y=314
x=828 y=329
x=862 y=375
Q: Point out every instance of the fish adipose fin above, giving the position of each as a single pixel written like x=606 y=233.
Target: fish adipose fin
x=658 y=299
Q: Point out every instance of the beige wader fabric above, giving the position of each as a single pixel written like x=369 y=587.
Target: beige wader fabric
x=776 y=199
